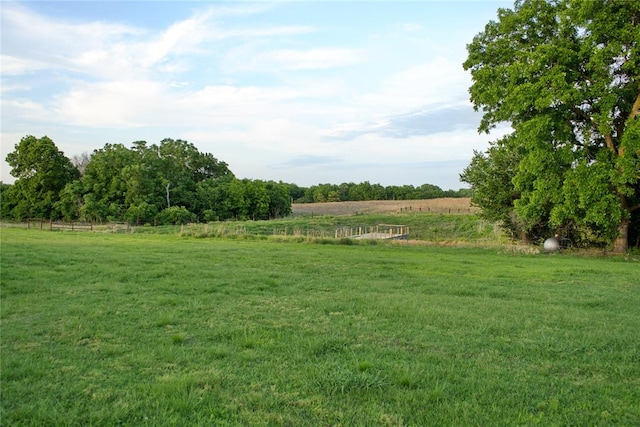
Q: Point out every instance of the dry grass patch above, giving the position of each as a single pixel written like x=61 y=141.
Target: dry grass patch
x=442 y=205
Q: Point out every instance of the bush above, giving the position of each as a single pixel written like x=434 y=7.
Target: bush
x=175 y=215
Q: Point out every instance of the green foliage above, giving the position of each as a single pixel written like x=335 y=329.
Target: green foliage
x=42 y=171
x=145 y=213
x=347 y=192
x=588 y=200
x=175 y=215
x=105 y=186
x=565 y=75
x=70 y=201
x=8 y=200
x=279 y=195
x=169 y=183
x=491 y=176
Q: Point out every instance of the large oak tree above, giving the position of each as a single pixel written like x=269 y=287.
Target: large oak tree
x=565 y=75
x=42 y=171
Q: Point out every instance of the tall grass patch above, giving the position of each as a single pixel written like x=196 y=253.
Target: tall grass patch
x=431 y=227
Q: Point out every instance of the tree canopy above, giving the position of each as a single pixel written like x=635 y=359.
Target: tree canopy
x=168 y=183
x=565 y=75
x=42 y=171
x=363 y=191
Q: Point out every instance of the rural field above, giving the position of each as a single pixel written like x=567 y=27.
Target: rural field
x=444 y=221
x=441 y=205
x=170 y=329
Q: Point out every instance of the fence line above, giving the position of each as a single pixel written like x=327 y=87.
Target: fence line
x=380 y=231
x=47 y=224
x=59 y=225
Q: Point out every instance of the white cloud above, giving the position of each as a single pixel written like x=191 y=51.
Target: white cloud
x=256 y=95
x=180 y=38
x=115 y=103
x=37 y=41
x=26 y=110
x=11 y=65
x=439 y=81
x=262 y=32
x=411 y=27
x=114 y=51
x=318 y=58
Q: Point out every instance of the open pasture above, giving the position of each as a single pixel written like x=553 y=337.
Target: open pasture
x=430 y=228
x=132 y=329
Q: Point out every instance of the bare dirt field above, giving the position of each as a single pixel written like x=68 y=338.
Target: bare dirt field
x=443 y=205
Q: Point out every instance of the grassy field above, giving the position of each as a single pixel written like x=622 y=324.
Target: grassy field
x=135 y=329
x=435 y=228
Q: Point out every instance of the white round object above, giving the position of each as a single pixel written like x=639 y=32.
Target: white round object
x=551 y=245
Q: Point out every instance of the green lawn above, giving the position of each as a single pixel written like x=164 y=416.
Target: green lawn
x=119 y=329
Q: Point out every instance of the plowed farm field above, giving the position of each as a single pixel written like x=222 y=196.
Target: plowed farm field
x=442 y=205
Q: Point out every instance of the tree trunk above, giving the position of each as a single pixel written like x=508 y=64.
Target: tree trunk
x=621 y=244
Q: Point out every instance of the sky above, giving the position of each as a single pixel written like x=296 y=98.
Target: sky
x=304 y=92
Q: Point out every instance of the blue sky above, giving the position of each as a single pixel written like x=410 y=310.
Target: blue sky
x=306 y=92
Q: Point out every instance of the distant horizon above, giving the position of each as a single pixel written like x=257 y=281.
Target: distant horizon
x=306 y=93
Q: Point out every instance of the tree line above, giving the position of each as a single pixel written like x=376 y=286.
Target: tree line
x=352 y=192
x=167 y=183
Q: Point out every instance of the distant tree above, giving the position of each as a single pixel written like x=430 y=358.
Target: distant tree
x=295 y=192
x=138 y=183
x=429 y=191
x=8 y=200
x=321 y=193
x=210 y=195
x=175 y=168
x=80 y=161
x=491 y=176
x=235 y=202
x=70 y=201
x=145 y=213
x=358 y=192
x=94 y=210
x=106 y=184
x=565 y=75
x=366 y=191
x=175 y=215
x=309 y=194
x=42 y=171
x=169 y=183
x=279 y=199
x=141 y=188
x=257 y=199
x=464 y=192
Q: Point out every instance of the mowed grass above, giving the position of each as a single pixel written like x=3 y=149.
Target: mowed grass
x=114 y=329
